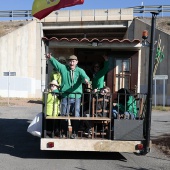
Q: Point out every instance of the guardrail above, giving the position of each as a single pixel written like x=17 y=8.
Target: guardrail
x=148 y=9
x=137 y=10
x=16 y=14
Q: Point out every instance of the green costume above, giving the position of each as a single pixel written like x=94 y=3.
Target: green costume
x=71 y=79
x=130 y=106
x=98 y=79
x=53 y=104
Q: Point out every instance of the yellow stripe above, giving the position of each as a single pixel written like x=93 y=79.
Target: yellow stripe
x=39 y=5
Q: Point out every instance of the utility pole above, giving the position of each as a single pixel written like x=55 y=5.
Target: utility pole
x=150 y=83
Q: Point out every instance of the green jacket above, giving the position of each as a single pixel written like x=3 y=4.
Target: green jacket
x=98 y=80
x=56 y=76
x=71 y=80
x=130 y=106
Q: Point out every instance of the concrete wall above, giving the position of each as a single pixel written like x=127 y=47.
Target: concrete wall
x=163 y=68
x=20 y=52
x=90 y=15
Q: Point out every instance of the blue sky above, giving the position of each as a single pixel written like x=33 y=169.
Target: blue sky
x=88 y=4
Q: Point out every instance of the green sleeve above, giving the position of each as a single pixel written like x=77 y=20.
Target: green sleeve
x=131 y=104
x=104 y=70
x=84 y=75
x=57 y=65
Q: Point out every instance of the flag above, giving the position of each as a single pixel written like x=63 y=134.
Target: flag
x=159 y=56
x=42 y=8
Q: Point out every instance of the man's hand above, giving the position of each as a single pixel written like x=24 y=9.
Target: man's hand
x=94 y=91
x=105 y=57
x=86 y=81
x=48 y=55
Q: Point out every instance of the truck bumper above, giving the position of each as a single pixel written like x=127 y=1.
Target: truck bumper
x=89 y=145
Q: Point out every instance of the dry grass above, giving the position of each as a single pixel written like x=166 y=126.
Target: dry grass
x=163 y=143
x=161 y=108
x=162 y=23
x=20 y=101
x=9 y=26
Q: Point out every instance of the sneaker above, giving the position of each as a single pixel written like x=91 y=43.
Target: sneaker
x=88 y=131
x=62 y=136
x=73 y=136
x=49 y=134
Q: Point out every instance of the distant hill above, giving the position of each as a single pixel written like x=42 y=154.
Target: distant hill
x=9 y=26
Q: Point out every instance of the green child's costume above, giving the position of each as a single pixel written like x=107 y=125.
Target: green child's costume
x=130 y=106
x=53 y=104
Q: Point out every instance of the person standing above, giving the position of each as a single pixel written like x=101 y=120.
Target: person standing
x=99 y=75
x=53 y=109
x=71 y=89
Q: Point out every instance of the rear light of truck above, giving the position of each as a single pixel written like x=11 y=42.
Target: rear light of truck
x=139 y=147
x=50 y=144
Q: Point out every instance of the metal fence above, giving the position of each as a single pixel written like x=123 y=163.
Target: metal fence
x=11 y=14
x=144 y=10
x=148 y=9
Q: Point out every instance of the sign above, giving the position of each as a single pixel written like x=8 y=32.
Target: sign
x=9 y=73
x=160 y=77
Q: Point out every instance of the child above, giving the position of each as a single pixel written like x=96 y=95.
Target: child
x=126 y=105
x=53 y=108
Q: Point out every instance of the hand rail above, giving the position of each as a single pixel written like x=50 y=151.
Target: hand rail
x=137 y=9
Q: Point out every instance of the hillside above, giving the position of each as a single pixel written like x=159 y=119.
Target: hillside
x=9 y=26
x=161 y=23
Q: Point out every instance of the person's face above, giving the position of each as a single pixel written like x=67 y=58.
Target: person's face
x=53 y=87
x=72 y=64
x=63 y=62
x=104 y=91
x=96 y=67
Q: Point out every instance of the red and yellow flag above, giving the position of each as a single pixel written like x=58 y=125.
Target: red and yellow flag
x=42 y=8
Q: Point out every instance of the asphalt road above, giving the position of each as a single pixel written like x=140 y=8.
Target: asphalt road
x=21 y=151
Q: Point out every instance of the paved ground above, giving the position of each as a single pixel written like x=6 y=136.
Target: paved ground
x=160 y=133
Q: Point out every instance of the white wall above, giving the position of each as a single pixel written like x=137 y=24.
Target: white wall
x=20 y=52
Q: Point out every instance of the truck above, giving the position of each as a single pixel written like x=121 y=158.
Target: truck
x=88 y=42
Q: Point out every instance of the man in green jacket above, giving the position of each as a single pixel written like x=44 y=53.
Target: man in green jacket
x=71 y=86
x=98 y=75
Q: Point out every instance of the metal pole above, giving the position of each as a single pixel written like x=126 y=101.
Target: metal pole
x=164 y=93
x=150 y=83
x=155 y=92
x=8 y=86
x=47 y=68
x=44 y=109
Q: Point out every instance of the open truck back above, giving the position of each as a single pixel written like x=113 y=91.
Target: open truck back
x=107 y=135
x=88 y=41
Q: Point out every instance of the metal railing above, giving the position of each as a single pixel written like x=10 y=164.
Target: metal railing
x=137 y=10
x=16 y=14
x=148 y=9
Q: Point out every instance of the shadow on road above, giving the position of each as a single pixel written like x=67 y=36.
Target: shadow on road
x=16 y=141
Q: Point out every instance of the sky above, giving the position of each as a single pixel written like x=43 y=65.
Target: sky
x=88 y=4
